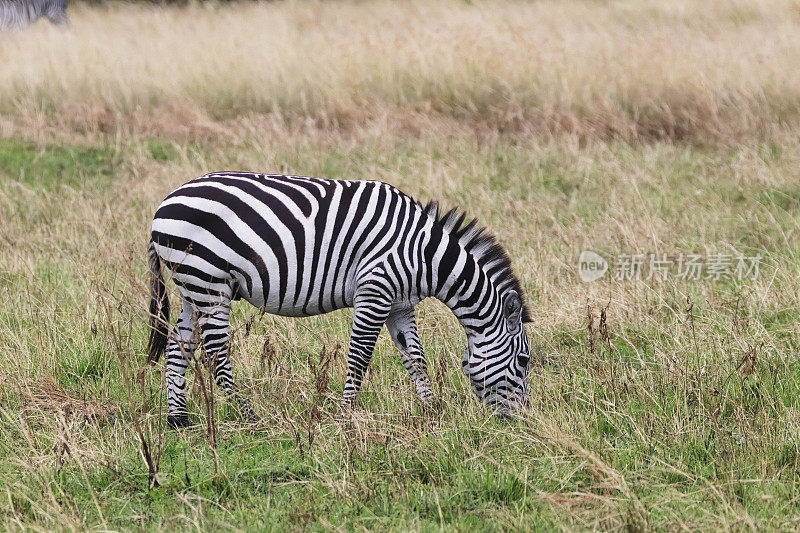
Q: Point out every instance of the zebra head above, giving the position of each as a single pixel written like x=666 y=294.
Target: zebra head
x=482 y=291
x=497 y=356
x=56 y=12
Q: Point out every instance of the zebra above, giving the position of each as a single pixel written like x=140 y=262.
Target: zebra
x=300 y=246
x=19 y=14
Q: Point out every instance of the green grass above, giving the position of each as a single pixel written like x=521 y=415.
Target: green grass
x=55 y=166
x=666 y=418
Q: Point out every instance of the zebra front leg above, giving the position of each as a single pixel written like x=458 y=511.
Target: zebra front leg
x=223 y=376
x=180 y=349
x=402 y=327
x=370 y=310
x=215 y=330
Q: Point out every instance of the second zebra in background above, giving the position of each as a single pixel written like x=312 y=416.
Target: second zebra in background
x=19 y=14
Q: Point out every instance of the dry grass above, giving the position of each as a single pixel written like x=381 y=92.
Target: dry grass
x=48 y=398
x=618 y=127
x=685 y=70
x=673 y=419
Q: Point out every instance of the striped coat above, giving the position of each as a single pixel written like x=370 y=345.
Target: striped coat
x=296 y=246
x=19 y=14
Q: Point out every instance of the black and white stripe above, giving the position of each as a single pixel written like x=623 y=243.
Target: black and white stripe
x=297 y=246
x=19 y=14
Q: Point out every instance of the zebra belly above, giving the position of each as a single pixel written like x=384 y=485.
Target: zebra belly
x=309 y=306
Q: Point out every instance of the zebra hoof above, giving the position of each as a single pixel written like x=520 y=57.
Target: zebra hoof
x=249 y=417
x=178 y=421
x=246 y=412
x=345 y=415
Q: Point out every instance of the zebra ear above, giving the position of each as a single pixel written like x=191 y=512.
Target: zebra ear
x=512 y=308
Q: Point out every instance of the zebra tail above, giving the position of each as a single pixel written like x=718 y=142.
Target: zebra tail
x=159 y=307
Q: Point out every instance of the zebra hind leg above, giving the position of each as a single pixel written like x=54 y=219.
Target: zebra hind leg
x=402 y=327
x=181 y=345
x=215 y=330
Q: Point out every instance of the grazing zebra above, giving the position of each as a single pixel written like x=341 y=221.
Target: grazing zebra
x=19 y=14
x=297 y=246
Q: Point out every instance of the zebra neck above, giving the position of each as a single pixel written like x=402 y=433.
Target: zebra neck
x=458 y=280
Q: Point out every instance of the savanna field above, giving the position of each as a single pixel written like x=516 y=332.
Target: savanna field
x=622 y=128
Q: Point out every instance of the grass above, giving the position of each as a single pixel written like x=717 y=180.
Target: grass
x=655 y=404
x=75 y=166
x=687 y=70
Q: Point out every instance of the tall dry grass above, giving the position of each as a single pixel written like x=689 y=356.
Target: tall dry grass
x=627 y=70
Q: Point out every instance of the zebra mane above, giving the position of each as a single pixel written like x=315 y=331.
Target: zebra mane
x=484 y=246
